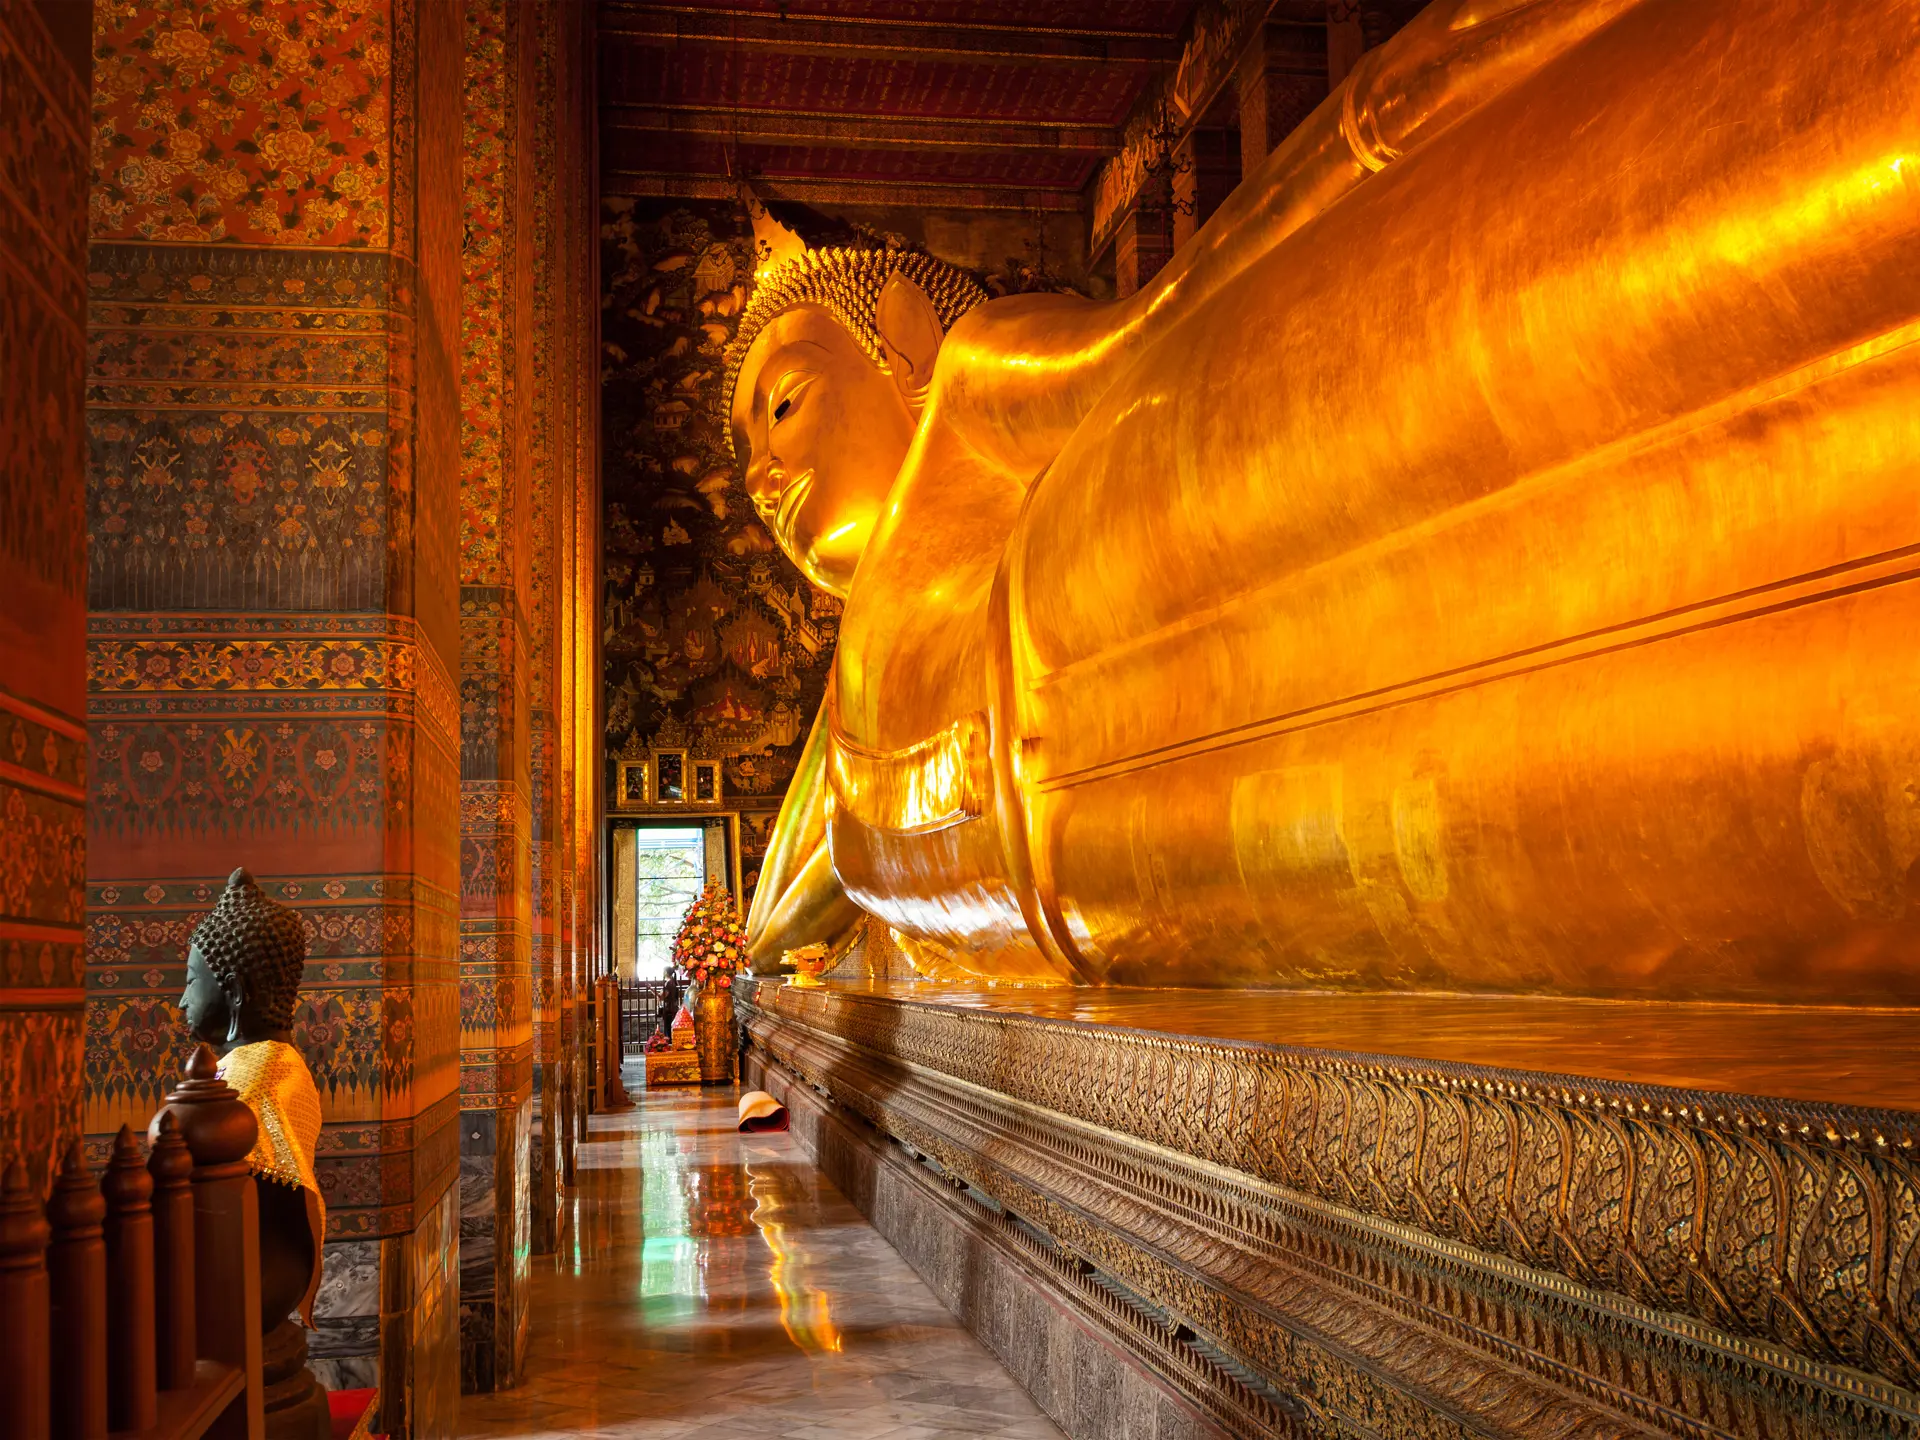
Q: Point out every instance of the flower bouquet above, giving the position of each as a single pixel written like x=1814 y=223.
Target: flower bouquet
x=712 y=948
x=712 y=944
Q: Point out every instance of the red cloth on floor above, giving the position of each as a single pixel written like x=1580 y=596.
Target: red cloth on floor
x=348 y=1408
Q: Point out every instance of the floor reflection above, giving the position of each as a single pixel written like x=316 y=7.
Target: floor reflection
x=806 y=1310
x=714 y=1284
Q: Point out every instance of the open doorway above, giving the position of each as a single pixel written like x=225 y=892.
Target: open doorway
x=669 y=869
x=658 y=867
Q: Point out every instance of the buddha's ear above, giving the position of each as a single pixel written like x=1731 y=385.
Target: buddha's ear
x=910 y=334
x=235 y=989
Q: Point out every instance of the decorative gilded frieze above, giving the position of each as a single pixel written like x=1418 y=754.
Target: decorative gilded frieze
x=1689 y=1263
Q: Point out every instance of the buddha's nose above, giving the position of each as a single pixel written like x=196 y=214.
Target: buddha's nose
x=764 y=482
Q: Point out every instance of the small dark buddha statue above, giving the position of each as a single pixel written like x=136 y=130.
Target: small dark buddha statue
x=243 y=975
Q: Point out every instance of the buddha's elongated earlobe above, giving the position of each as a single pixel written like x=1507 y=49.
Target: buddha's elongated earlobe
x=236 y=993
x=910 y=334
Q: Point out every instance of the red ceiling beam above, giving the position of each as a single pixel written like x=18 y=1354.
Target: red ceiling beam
x=672 y=25
x=915 y=194
x=794 y=127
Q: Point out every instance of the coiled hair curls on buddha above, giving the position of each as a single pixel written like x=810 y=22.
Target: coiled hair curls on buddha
x=847 y=283
x=250 y=941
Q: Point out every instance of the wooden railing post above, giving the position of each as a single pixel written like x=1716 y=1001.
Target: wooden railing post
x=77 y=1276
x=170 y=1164
x=220 y=1131
x=26 y=1385
x=128 y=1188
x=612 y=1087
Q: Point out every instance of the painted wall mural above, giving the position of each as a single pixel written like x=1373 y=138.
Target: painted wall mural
x=43 y=244
x=271 y=649
x=262 y=121
x=712 y=639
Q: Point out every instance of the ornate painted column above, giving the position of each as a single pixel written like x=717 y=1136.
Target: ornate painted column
x=582 y=912
x=1282 y=76
x=1206 y=167
x=1144 y=242
x=563 y=325
x=43 y=306
x=496 y=396
x=273 y=507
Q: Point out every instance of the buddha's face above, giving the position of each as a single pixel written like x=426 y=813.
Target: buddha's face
x=824 y=431
x=205 y=1004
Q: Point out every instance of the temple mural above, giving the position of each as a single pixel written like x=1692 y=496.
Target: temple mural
x=713 y=641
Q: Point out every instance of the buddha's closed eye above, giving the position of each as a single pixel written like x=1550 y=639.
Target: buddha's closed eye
x=786 y=393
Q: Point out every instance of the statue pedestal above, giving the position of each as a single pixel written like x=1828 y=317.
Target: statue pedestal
x=296 y=1405
x=1306 y=1212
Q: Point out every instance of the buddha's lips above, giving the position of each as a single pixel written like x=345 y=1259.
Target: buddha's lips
x=788 y=506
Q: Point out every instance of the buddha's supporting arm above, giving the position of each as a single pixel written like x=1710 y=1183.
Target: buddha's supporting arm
x=812 y=908
x=799 y=900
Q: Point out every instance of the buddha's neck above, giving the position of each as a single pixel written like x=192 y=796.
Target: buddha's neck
x=254 y=1037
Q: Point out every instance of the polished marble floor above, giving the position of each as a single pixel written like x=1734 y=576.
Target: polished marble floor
x=717 y=1285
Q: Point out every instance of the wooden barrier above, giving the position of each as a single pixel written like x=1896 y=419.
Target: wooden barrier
x=610 y=1093
x=176 y=1341
x=132 y=1353
x=77 y=1280
x=133 y=1302
x=25 y=1392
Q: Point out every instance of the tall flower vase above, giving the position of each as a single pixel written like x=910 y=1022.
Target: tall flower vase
x=713 y=1034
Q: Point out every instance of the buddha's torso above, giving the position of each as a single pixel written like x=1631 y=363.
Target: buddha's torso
x=1501 y=585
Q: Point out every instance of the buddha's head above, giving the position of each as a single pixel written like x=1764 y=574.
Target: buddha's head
x=244 y=964
x=826 y=378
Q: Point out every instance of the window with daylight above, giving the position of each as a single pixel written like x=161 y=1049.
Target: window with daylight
x=669 y=867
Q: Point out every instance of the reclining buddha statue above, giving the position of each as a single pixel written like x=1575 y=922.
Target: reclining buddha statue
x=1478 y=561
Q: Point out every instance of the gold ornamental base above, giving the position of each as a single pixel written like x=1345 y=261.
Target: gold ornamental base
x=1486 y=1217
x=713 y=1031
x=672 y=1067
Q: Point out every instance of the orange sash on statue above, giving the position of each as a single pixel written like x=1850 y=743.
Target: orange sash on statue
x=272 y=1077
